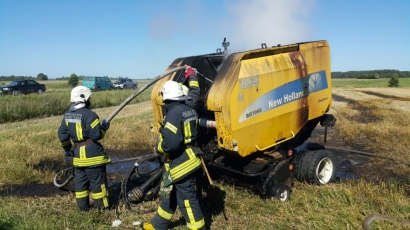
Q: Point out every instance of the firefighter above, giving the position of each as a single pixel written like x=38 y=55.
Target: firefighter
x=79 y=133
x=176 y=141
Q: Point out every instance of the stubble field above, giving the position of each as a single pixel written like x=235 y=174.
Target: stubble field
x=371 y=120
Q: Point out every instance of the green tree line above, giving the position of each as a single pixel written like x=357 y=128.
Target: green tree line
x=40 y=76
x=372 y=74
x=361 y=74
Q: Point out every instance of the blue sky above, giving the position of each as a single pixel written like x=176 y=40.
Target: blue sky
x=139 y=39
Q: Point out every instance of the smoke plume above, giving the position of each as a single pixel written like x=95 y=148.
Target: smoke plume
x=273 y=22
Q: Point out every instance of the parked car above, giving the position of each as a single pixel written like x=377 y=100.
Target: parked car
x=125 y=84
x=22 y=87
x=97 y=83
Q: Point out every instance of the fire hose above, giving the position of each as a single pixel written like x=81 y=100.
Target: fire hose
x=67 y=174
x=142 y=89
x=374 y=216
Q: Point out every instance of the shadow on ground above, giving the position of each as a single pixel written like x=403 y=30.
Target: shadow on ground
x=31 y=190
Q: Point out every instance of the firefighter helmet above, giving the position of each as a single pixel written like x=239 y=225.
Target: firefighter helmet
x=80 y=94
x=172 y=90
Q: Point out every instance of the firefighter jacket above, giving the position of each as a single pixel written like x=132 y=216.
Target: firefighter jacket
x=83 y=127
x=178 y=132
x=193 y=92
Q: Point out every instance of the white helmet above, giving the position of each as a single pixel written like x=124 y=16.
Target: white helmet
x=172 y=90
x=80 y=94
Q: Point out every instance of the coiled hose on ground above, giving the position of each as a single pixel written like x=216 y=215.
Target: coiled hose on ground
x=375 y=216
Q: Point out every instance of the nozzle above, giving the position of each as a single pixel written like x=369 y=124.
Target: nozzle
x=134 y=195
x=207 y=123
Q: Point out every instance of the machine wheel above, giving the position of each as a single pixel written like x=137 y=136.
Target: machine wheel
x=134 y=87
x=111 y=88
x=15 y=92
x=125 y=87
x=281 y=192
x=277 y=182
x=316 y=167
x=98 y=88
x=39 y=91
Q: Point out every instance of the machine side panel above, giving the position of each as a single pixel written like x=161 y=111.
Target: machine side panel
x=272 y=98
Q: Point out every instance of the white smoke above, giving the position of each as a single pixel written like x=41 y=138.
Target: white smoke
x=273 y=22
x=162 y=25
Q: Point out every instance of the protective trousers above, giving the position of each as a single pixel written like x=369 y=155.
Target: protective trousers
x=92 y=179
x=184 y=196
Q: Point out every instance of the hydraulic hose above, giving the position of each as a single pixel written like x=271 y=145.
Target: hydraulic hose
x=69 y=175
x=123 y=104
x=368 y=154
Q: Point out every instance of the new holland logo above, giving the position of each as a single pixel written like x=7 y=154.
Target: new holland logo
x=315 y=82
x=284 y=94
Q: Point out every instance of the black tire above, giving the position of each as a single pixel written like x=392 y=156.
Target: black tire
x=316 y=167
x=15 y=93
x=125 y=87
x=111 y=88
x=98 y=88
x=281 y=192
x=134 y=87
x=39 y=91
x=299 y=171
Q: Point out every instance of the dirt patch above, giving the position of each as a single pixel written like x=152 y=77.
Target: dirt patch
x=343 y=99
x=385 y=96
x=365 y=111
x=352 y=165
x=31 y=190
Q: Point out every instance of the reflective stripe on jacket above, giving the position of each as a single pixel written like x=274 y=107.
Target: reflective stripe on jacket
x=78 y=126
x=180 y=129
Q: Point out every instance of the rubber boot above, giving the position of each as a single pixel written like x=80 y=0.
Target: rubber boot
x=147 y=226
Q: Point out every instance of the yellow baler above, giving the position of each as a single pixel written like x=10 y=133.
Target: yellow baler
x=257 y=108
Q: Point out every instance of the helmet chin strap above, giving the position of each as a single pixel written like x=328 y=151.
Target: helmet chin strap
x=87 y=103
x=78 y=105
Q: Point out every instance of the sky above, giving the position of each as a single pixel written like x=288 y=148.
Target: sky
x=139 y=39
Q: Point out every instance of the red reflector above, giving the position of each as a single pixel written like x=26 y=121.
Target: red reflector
x=290 y=152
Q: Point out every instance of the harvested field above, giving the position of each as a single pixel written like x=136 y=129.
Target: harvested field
x=370 y=120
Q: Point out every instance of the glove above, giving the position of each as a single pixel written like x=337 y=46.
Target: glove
x=68 y=156
x=189 y=71
x=67 y=153
x=68 y=159
x=105 y=125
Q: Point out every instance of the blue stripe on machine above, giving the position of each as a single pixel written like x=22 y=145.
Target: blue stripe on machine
x=286 y=93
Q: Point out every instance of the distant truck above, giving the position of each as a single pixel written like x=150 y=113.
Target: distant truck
x=97 y=83
x=125 y=83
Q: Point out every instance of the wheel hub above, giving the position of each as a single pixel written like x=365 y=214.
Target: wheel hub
x=324 y=170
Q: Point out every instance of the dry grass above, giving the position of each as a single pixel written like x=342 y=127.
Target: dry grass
x=31 y=148
x=380 y=122
x=376 y=120
x=367 y=122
